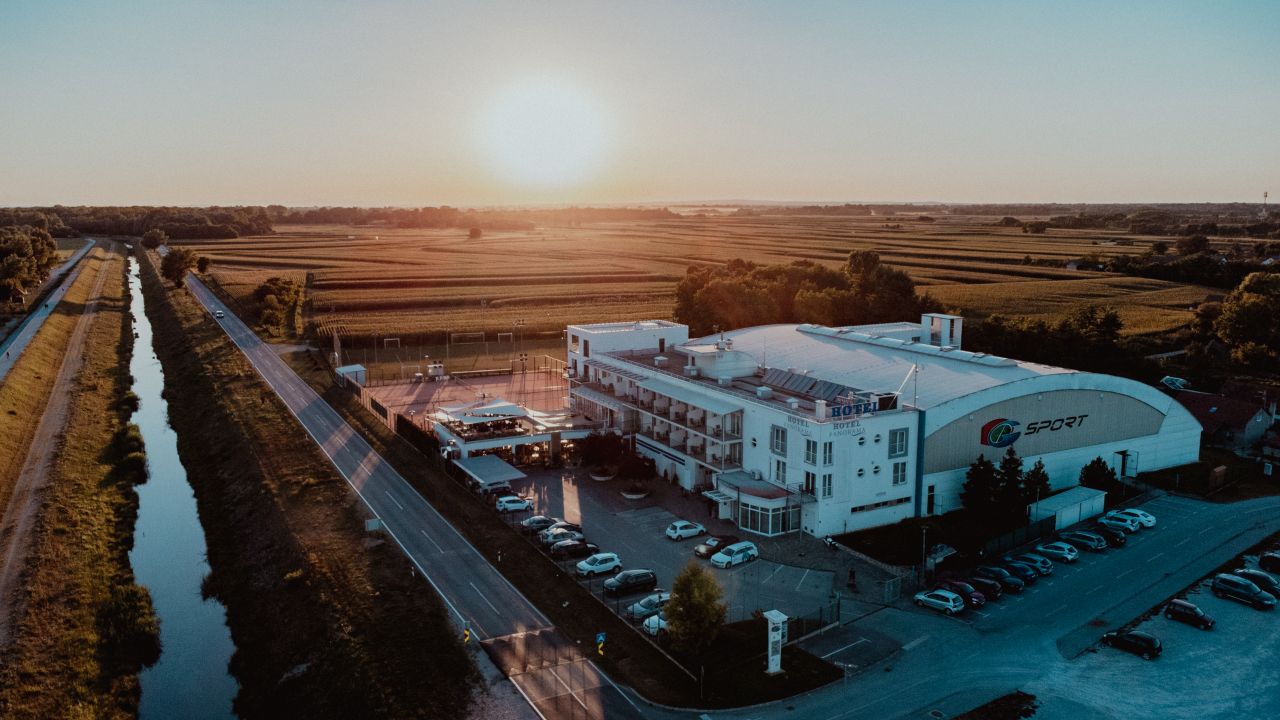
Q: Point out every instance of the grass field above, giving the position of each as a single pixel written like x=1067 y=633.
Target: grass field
x=369 y=282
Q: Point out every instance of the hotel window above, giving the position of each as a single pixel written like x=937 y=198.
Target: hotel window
x=810 y=483
x=826 y=485
x=828 y=453
x=778 y=440
x=780 y=471
x=899 y=473
x=811 y=452
x=898 y=443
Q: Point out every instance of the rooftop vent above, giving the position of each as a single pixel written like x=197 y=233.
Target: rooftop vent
x=764 y=392
x=660 y=361
x=691 y=371
x=793 y=403
x=724 y=380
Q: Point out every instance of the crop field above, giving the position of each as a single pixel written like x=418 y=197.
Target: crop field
x=372 y=282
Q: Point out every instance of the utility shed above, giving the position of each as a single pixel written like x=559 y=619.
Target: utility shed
x=1070 y=506
x=487 y=470
x=356 y=373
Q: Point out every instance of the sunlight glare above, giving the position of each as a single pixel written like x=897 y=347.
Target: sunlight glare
x=544 y=134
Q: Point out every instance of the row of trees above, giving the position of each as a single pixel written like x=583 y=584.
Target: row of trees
x=997 y=496
x=178 y=222
x=279 y=305
x=742 y=293
x=1245 y=322
x=1086 y=338
x=451 y=217
x=27 y=255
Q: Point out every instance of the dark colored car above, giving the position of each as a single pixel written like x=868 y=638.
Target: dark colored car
x=1189 y=613
x=1000 y=575
x=1022 y=571
x=1144 y=645
x=1115 y=538
x=536 y=524
x=1269 y=562
x=990 y=589
x=1042 y=565
x=566 y=549
x=1085 y=540
x=631 y=581
x=713 y=545
x=1265 y=581
x=1237 y=588
x=972 y=596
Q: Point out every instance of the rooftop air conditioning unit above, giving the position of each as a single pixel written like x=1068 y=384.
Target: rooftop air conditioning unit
x=660 y=361
x=764 y=392
x=755 y=474
x=793 y=403
x=691 y=371
x=724 y=380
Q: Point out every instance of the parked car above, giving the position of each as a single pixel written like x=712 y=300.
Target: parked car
x=562 y=524
x=1266 y=582
x=1059 y=551
x=712 y=545
x=568 y=549
x=1117 y=522
x=559 y=535
x=681 y=529
x=1236 y=588
x=1115 y=538
x=1000 y=575
x=537 y=524
x=656 y=624
x=599 y=564
x=647 y=607
x=1084 y=540
x=1042 y=565
x=943 y=601
x=1145 y=645
x=990 y=589
x=972 y=596
x=513 y=503
x=1189 y=613
x=735 y=554
x=495 y=490
x=1022 y=571
x=631 y=581
x=1144 y=519
x=1269 y=562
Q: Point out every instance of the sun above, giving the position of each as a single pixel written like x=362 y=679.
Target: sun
x=544 y=134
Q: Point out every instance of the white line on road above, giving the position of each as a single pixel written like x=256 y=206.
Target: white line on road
x=1126 y=572
x=775 y=572
x=1094 y=590
x=1058 y=609
x=1182 y=542
x=432 y=540
x=859 y=641
x=915 y=643
x=566 y=687
x=802 y=577
x=1153 y=557
x=397 y=502
x=482 y=597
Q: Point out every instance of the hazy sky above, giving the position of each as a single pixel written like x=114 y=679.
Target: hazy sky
x=426 y=103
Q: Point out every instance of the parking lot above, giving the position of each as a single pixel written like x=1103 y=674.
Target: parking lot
x=634 y=530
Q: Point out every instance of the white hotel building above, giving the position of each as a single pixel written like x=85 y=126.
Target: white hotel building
x=827 y=430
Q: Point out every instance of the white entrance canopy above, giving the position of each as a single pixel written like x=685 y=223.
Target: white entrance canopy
x=489 y=469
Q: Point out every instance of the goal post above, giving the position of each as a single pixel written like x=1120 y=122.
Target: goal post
x=506 y=337
x=391 y=343
x=466 y=338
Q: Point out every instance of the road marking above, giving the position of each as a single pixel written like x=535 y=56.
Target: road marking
x=1126 y=572
x=397 y=502
x=1096 y=589
x=1058 y=609
x=1182 y=542
x=482 y=597
x=859 y=641
x=1153 y=557
x=431 y=540
x=979 y=612
x=915 y=643
x=802 y=577
x=1204 y=531
x=775 y=572
x=566 y=687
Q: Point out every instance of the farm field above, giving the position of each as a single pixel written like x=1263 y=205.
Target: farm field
x=421 y=285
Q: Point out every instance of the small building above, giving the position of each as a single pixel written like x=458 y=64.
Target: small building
x=1228 y=422
x=354 y=373
x=1070 y=506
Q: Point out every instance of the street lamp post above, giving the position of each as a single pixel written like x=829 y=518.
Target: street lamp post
x=924 y=531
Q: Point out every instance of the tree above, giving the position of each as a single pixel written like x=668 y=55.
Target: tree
x=176 y=264
x=1008 y=490
x=1159 y=247
x=474 y=233
x=694 y=613
x=1247 y=320
x=202 y=264
x=1193 y=245
x=1037 y=227
x=1098 y=475
x=601 y=450
x=978 y=495
x=1035 y=484
x=154 y=238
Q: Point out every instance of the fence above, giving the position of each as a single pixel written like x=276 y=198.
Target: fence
x=1029 y=533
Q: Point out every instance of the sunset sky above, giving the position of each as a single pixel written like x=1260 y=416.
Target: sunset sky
x=425 y=103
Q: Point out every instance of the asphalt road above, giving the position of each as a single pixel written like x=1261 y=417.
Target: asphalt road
x=11 y=348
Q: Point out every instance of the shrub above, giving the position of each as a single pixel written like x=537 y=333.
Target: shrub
x=129 y=627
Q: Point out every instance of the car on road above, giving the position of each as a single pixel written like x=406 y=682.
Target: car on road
x=1236 y=588
x=1059 y=551
x=972 y=596
x=1144 y=519
x=1084 y=540
x=600 y=564
x=1144 y=645
x=681 y=529
x=713 y=544
x=1042 y=565
x=559 y=535
x=631 y=581
x=1116 y=522
x=990 y=589
x=1265 y=581
x=1189 y=613
x=1000 y=575
x=647 y=607
x=537 y=524
x=1022 y=571
x=656 y=624
x=1269 y=562
x=513 y=503
x=219 y=314
x=1115 y=538
x=943 y=601
x=735 y=554
x=570 y=549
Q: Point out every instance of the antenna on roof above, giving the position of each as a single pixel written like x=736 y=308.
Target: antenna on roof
x=913 y=375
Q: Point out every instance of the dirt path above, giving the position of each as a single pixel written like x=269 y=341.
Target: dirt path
x=24 y=506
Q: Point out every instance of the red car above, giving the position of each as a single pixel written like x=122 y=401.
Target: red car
x=972 y=597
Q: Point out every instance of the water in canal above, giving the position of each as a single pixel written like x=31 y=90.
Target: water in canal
x=191 y=679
